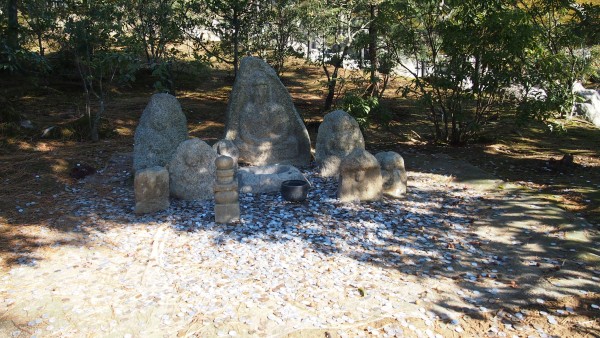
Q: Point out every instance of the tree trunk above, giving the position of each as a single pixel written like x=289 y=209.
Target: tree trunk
x=95 y=134
x=40 y=44
x=12 y=38
x=236 y=41
x=308 y=48
x=361 y=58
x=476 y=84
x=333 y=81
x=373 y=90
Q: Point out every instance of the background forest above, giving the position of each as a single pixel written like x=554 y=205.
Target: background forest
x=461 y=56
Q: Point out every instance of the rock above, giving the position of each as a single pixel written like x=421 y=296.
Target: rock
x=227 y=204
x=27 y=124
x=151 y=187
x=519 y=92
x=266 y=178
x=393 y=173
x=192 y=170
x=262 y=120
x=590 y=107
x=577 y=86
x=51 y=132
x=80 y=171
x=360 y=177
x=228 y=148
x=338 y=136
x=566 y=162
x=161 y=129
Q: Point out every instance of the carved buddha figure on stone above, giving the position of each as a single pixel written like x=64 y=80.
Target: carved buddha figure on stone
x=261 y=119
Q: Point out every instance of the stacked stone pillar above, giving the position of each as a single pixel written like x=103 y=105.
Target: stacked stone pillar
x=227 y=206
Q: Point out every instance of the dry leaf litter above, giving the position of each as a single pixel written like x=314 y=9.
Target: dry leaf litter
x=284 y=268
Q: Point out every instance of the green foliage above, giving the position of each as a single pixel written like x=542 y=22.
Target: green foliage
x=22 y=60
x=557 y=57
x=41 y=18
x=592 y=70
x=471 y=49
x=9 y=118
x=262 y=28
x=154 y=26
x=96 y=40
x=467 y=51
x=474 y=49
x=164 y=80
x=365 y=110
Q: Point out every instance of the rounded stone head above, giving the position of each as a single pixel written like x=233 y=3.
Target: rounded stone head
x=224 y=162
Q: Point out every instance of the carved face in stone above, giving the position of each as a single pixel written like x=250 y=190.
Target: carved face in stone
x=262 y=93
x=262 y=110
x=192 y=159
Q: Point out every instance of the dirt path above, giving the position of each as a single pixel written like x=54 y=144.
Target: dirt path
x=463 y=255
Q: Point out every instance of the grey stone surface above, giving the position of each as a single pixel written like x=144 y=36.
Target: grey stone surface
x=192 y=170
x=151 y=189
x=393 y=173
x=338 y=136
x=228 y=148
x=160 y=130
x=266 y=178
x=360 y=177
x=590 y=107
x=262 y=120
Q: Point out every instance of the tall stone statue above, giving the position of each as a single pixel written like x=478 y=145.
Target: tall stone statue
x=262 y=120
x=161 y=129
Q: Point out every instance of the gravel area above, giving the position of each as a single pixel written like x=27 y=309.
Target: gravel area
x=399 y=267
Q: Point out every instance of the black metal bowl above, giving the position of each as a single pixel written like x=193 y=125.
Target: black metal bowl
x=294 y=190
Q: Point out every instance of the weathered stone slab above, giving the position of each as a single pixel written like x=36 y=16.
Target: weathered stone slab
x=393 y=173
x=192 y=170
x=262 y=120
x=161 y=129
x=360 y=177
x=151 y=187
x=339 y=135
x=266 y=178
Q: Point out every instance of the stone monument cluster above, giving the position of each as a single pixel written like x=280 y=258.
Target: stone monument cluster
x=265 y=132
x=340 y=152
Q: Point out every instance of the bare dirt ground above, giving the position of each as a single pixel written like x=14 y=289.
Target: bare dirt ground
x=554 y=254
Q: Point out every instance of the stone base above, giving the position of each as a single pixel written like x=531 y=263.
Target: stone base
x=227 y=213
x=265 y=179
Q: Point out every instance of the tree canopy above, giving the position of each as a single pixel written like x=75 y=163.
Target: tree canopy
x=460 y=55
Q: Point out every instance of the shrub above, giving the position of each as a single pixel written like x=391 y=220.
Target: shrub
x=364 y=109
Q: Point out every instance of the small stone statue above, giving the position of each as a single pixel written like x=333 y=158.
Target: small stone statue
x=151 y=190
x=360 y=177
x=393 y=173
x=227 y=205
x=338 y=136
